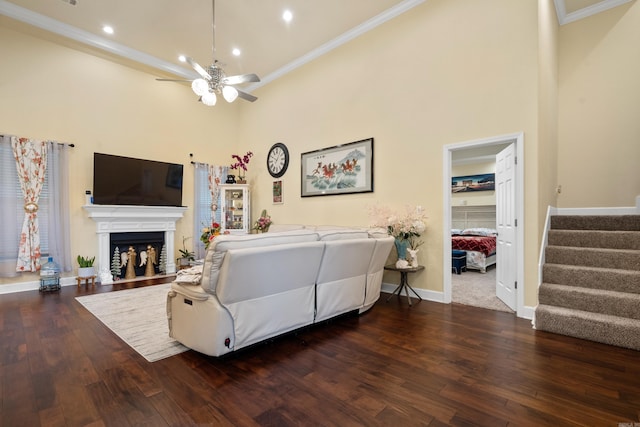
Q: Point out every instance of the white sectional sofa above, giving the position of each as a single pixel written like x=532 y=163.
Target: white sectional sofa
x=258 y=286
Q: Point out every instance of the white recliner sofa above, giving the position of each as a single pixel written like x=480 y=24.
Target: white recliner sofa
x=258 y=286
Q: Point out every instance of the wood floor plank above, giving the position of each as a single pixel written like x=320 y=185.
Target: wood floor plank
x=429 y=364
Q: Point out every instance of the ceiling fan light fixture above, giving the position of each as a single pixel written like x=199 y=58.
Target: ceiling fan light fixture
x=200 y=86
x=229 y=93
x=209 y=99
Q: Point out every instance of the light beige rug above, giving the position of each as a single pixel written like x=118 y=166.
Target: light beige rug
x=139 y=317
x=477 y=289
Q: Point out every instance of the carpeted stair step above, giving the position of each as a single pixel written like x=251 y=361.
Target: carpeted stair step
x=592 y=277
x=623 y=259
x=604 y=328
x=595 y=239
x=596 y=222
x=620 y=304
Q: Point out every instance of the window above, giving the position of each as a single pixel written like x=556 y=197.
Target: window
x=51 y=209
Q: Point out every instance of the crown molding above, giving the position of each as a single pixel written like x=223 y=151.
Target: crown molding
x=45 y=23
x=366 y=26
x=566 y=18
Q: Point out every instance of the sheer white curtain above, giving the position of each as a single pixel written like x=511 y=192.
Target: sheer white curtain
x=58 y=220
x=206 y=200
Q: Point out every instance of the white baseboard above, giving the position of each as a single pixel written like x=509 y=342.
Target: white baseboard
x=526 y=312
x=33 y=285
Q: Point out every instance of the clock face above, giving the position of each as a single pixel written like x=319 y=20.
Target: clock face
x=278 y=160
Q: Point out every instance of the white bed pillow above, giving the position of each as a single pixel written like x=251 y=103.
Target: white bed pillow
x=479 y=231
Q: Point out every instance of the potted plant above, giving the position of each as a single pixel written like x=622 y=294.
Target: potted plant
x=185 y=254
x=86 y=268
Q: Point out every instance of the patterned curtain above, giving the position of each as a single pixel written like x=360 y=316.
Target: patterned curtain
x=215 y=179
x=31 y=163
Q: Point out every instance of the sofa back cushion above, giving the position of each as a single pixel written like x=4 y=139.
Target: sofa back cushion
x=219 y=247
x=278 y=228
x=341 y=234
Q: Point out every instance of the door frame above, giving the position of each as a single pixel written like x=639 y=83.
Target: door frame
x=518 y=139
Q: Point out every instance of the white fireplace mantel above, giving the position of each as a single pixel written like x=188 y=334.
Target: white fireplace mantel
x=130 y=219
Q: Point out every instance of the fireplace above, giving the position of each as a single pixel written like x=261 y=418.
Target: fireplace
x=139 y=220
x=141 y=243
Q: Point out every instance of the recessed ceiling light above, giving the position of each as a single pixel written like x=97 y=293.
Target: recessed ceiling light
x=182 y=58
x=287 y=15
x=107 y=29
x=236 y=51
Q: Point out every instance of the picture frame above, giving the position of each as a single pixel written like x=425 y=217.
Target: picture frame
x=277 y=193
x=473 y=183
x=342 y=169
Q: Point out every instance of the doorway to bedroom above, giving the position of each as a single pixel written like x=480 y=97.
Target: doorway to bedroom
x=482 y=204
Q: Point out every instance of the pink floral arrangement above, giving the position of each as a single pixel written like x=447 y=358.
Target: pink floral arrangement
x=263 y=223
x=407 y=225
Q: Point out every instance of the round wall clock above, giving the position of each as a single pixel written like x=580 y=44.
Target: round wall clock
x=278 y=160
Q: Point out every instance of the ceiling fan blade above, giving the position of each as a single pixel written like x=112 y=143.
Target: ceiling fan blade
x=198 y=68
x=243 y=78
x=173 y=80
x=246 y=96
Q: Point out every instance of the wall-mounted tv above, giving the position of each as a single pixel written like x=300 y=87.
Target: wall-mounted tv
x=121 y=180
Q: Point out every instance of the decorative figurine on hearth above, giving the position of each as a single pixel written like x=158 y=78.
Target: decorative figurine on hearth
x=151 y=262
x=115 y=264
x=131 y=264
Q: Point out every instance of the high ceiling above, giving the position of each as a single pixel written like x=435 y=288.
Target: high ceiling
x=156 y=32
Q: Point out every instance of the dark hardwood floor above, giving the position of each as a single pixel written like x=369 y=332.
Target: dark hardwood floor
x=430 y=364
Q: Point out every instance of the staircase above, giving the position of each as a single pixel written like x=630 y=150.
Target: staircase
x=591 y=279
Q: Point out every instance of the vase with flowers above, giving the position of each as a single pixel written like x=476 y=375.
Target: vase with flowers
x=262 y=224
x=209 y=234
x=405 y=227
x=240 y=165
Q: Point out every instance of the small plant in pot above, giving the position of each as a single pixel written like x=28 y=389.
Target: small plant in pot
x=185 y=254
x=86 y=268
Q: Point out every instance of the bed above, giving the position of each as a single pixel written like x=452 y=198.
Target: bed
x=481 y=250
x=474 y=232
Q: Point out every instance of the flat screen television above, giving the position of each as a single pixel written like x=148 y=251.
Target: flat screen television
x=121 y=180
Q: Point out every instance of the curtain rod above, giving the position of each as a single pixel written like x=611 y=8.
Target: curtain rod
x=59 y=143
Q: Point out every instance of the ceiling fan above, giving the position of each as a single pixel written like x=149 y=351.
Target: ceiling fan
x=214 y=81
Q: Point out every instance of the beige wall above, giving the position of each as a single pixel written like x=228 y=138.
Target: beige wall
x=599 y=131
x=52 y=92
x=449 y=71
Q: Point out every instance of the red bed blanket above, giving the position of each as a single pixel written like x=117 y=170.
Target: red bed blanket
x=486 y=245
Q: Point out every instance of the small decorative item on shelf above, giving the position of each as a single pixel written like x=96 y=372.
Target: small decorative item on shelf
x=231 y=179
x=404 y=228
x=241 y=166
x=209 y=233
x=263 y=223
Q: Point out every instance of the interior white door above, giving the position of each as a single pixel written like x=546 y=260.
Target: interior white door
x=506 y=271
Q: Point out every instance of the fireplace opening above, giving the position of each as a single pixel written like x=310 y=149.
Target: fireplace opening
x=136 y=254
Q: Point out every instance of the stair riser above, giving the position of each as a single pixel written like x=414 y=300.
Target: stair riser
x=623 y=260
x=595 y=239
x=596 y=222
x=619 y=304
x=612 y=280
x=627 y=335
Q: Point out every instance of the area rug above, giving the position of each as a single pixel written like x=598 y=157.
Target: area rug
x=139 y=317
x=477 y=289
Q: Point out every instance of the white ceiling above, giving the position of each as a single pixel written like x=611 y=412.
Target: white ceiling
x=156 y=32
